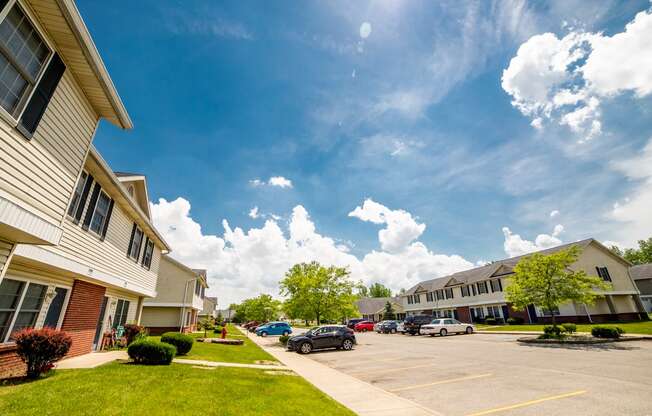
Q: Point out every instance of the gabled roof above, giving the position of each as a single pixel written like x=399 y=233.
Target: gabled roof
x=642 y=271
x=496 y=268
x=139 y=181
x=370 y=306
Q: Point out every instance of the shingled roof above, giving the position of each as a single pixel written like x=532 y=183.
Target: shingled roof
x=370 y=306
x=486 y=271
x=642 y=271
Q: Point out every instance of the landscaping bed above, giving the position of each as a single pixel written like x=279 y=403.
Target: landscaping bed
x=636 y=327
x=578 y=339
x=221 y=341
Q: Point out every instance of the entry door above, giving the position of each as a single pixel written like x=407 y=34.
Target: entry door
x=505 y=309
x=100 y=324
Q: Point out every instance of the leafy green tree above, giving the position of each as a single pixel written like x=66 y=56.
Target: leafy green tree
x=642 y=255
x=547 y=281
x=316 y=292
x=378 y=290
x=261 y=308
x=363 y=291
x=389 y=313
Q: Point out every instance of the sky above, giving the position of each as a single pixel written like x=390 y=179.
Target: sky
x=405 y=140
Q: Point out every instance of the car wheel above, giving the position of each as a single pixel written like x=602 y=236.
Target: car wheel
x=392 y=331
x=305 y=348
x=347 y=345
x=286 y=333
x=263 y=334
x=364 y=329
x=469 y=329
x=443 y=332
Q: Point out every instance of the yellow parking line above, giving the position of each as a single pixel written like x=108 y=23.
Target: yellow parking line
x=528 y=403
x=452 y=380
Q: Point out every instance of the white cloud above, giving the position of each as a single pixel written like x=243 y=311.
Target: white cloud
x=242 y=263
x=565 y=80
x=365 y=30
x=401 y=229
x=256 y=183
x=515 y=245
x=280 y=181
x=554 y=213
x=253 y=212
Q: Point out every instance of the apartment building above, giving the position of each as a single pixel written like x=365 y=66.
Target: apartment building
x=475 y=294
x=373 y=309
x=178 y=301
x=642 y=275
x=210 y=308
x=77 y=247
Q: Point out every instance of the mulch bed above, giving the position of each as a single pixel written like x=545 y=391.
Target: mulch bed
x=579 y=339
x=221 y=341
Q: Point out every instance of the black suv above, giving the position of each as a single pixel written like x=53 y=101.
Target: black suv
x=327 y=336
x=412 y=324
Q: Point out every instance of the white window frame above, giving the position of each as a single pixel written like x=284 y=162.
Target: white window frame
x=90 y=225
x=28 y=281
x=140 y=244
x=148 y=265
x=22 y=104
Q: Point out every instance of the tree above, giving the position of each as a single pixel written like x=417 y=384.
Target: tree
x=316 y=292
x=389 y=312
x=262 y=308
x=363 y=291
x=642 y=255
x=547 y=281
x=378 y=290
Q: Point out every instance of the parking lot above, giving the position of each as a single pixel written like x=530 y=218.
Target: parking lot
x=484 y=374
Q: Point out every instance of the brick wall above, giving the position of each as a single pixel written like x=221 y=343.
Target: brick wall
x=516 y=314
x=10 y=364
x=82 y=315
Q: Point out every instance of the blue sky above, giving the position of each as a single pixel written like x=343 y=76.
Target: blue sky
x=456 y=119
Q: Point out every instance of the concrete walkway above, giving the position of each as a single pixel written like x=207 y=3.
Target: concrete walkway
x=359 y=396
x=223 y=364
x=92 y=360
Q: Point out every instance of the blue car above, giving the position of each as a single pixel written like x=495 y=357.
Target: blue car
x=274 y=328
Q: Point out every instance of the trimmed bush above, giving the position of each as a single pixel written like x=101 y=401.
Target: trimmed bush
x=134 y=332
x=183 y=342
x=41 y=348
x=569 y=328
x=550 y=331
x=515 y=320
x=151 y=352
x=607 y=331
x=490 y=321
x=218 y=330
x=283 y=339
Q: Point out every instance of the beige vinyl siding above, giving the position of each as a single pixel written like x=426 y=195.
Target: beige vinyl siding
x=154 y=316
x=32 y=273
x=43 y=171
x=5 y=252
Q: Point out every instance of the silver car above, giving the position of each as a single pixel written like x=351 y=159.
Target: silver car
x=446 y=326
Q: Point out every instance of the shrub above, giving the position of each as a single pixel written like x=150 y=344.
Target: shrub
x=552 y=332
x=183 y=342
x=515 y=320
x=151 y=352
x=606 y=331
x=217 y=330
x=283 y=339
x=134 y=332
x=490 y=321
x=569 y=328
x=41 y=348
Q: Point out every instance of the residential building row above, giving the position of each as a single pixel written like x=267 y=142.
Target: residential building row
x=473 y=295
x=78 y=250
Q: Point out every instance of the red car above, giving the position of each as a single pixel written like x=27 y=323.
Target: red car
x=364 y=326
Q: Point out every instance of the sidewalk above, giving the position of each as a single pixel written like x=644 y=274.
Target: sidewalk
x=223 y=364
x=91 y=360
x=359 y=396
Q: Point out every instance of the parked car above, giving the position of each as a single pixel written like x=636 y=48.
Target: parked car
x=327 y=336
x=446 y=326
x=364 y=326
x=274 y=328
x=351 y=322
x=389 y=327
x=412 y=324
x=250 y=324
x=377 y=327
x=400 y=327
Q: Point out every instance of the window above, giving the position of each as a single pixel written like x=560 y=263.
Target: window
x=409 y=299
x=100 y=213
x=77 y=196
x=20 y=305
x=440 y=294
x=121 y=312
x=482 y=287
x=417 y=298
x=493 y=311
x=478 y=312
x=496 y=286
x=23 y=54
x=429 y=297
x=197 y=287
x=449 y=294
x=603 y=272
x=466 y=291
x=56 y=307
x=136 y=241
x=147 y=257
x=548 y=312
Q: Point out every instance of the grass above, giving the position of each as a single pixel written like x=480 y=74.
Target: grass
x=635 y=327
x=120 y=388
x=248 y=353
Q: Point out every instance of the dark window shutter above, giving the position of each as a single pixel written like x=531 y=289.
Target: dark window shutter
x=84 y=196
x=41 y=97
x=108 y=218
x=91 y=206
x=500 y=285
x=131 y=240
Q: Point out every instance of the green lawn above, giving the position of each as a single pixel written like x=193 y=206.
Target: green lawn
x=120 y=389
x=248 y=353
x=637 y=327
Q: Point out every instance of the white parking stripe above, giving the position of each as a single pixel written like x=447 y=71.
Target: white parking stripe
x=434 y=383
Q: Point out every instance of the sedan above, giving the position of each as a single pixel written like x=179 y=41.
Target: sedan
x=389 y=327
x=328 y=336
x=364 y=326
x=274 y=328
x=445 y=326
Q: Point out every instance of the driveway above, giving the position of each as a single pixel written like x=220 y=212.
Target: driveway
x=493 y=374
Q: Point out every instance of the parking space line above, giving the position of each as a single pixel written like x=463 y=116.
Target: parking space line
x=390 y=370
x=528 y=403
x=451 y=380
